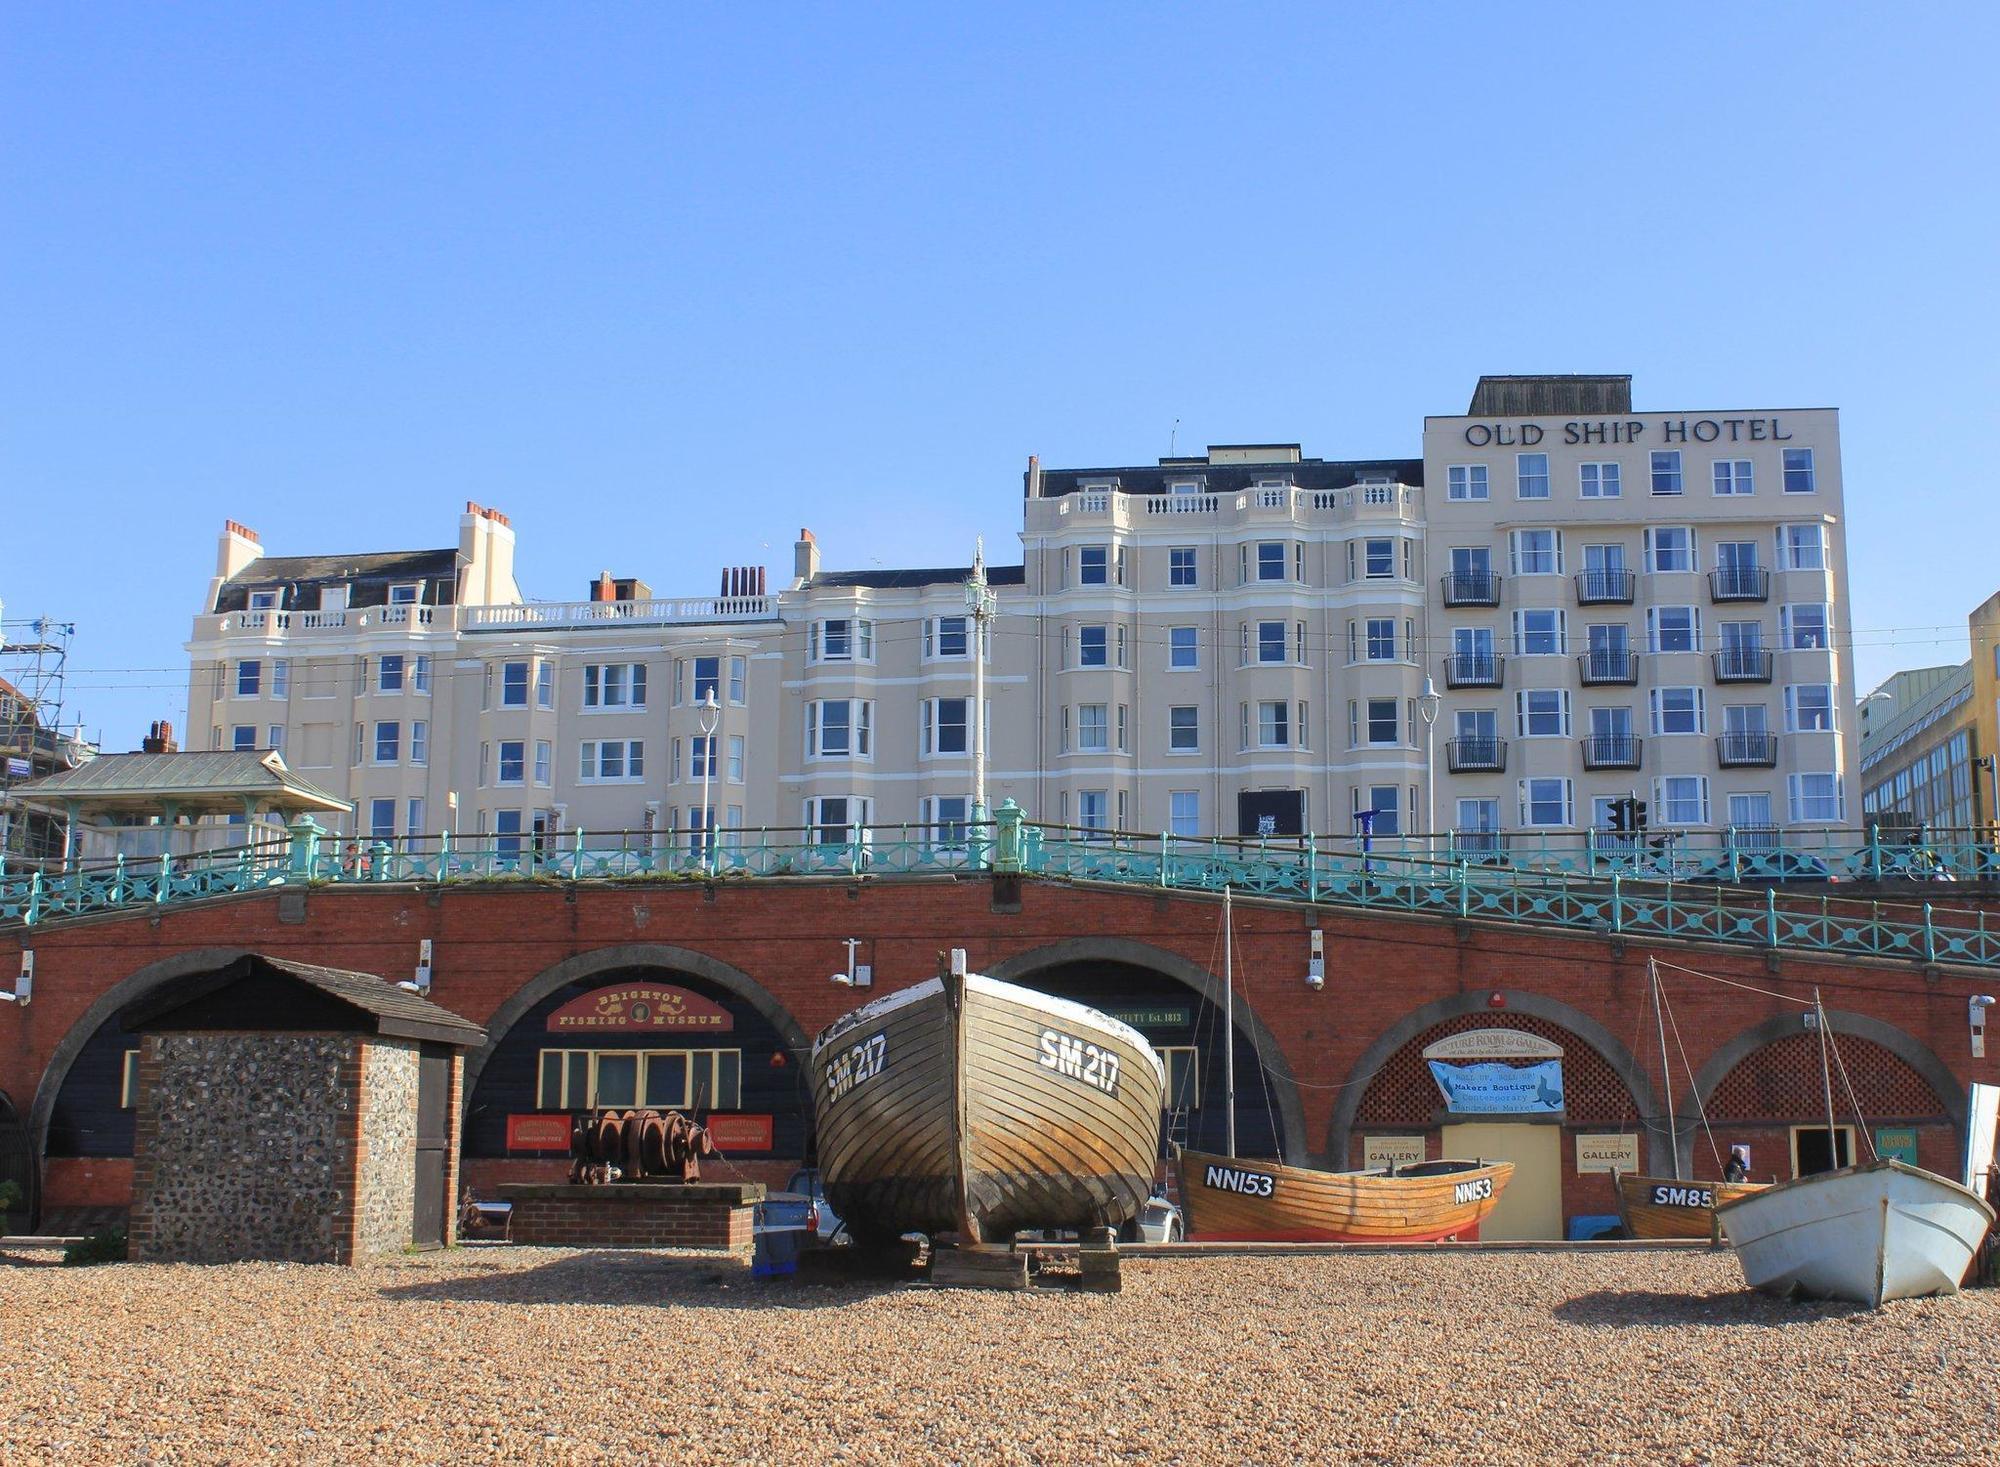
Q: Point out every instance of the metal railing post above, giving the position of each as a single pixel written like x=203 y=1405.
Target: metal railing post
x=1875 y=851
x=444 y=857
x=1771 y=914
x=1007 y=838
x=1163 y=860
x=1312 y=867
x=34 y=911
x=1930 y=936
x=166 y=879
x=1464 y=888
x=1617 y=901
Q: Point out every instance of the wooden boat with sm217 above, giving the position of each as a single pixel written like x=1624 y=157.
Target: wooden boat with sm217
x=970 y=1106
x=1665 y=1207
x=1227 y=1198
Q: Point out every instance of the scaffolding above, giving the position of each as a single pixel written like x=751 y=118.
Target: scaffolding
x=34 y=660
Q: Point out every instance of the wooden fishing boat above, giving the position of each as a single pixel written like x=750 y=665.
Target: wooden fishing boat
x=1869 y=1233
x=970 y=1106
x=1667 y=1207
x=1228 y=1198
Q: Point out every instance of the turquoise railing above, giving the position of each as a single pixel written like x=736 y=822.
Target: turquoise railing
x=1655 y=887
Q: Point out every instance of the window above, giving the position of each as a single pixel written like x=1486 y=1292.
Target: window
x=1816 y=1150
x=389 y=673
x=1093 y=565
x=701 y=757
x=1476 y=723
x=545 y=684
x=678 y=1079
x=1270 y=560
x=1611 y=723
x=1666 y=471
x=1379 y=559
x=836 y=819
x=514 y=685
x=1669 y=548
x=1181 y=566
x=945 y=636
x=1746 y=718
x=1536 y=552
x=281 y=678
x=602 y=759
x=1383 y=806
x=1273 y=725
x=735 y=747
x=1802 y=627
x=1741 y=639
x=1380 y=632
x=1736 y=556
x=388 y=739
x=1598 y=481
x=1383 y=721
x=1674 y=628
x=1090 y=647
x=707 y=679
x=513 y=762
x=405 y=595
x=1750 y=811
x=1465 y=481
x=614 y=685
x=249 y=678
x=1809 y=708
x=1542 y=713
x=1183 y=647
x=1733 y=476
x=944 y=818
x=1814 y=796
x=420 y=742
x=1538 y=633
x=1531 y=475
x=1184 y=812
x=1677 y=710
x=945 y=724
x=274 y=737
x=543 y=761
x=1545 y=802
x=843 y=640
x=382 y=819
x=839 y=728
x=1802 y=547
x=420 y=674
x=1799 y=471
x=1681 y=800
x=1093 y=728
x=263 y=600
x=738 y=678
x=1270 y=641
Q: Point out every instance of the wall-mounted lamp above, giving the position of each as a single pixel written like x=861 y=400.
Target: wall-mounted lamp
x=1316 y=963
x=1975 y=1013
x=856 y=975
x=24 y=986
x=421 y=984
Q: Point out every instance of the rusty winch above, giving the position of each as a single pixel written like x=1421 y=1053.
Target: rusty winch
x=636 y=1146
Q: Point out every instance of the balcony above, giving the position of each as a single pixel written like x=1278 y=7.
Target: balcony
x=358 y=620
x=553 y=615
x=1472 y=588
x=1747 y=750
x=1612 y=751
x=1739 y=583
x=1602 y=666
x=1605 y=587
x=1473 y=670
x=1475 y=755
x=1742 y=665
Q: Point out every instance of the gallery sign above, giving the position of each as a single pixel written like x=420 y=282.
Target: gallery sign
x=1387 y=1151
x=1607 y=1154
x=740 y=1133
x=538 y=1133
x=1493 y=1044
x=641 y=1008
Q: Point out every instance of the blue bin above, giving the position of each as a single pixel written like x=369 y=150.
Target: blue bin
x=1593 y=1225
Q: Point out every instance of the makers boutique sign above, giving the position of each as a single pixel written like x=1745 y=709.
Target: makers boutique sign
x=648 y=1008
x=1631 y=430
x=1497 y=1072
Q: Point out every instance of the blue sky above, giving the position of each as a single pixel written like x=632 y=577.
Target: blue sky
x=665 y=283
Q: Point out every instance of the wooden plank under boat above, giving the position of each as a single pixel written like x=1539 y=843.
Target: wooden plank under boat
x=1233 y=1199
x=1666 y=1207
x=966 y=1105
x=1870 y=1233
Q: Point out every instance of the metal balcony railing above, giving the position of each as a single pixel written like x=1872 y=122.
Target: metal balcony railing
x=1605 y=587
x=1473 y=670
x=1472 y=588
x=1601 y=665
x=1612 y=751
x=1746 y=750
x=1475 y=754
x=1739 y=583
x=1742 y=665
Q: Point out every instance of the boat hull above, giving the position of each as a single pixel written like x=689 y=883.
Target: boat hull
x=1226 y=1199
x=1870 y=1233
x=970 y=1106
x=1665 y=1207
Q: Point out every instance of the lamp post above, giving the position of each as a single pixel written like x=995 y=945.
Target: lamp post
x=981 y=606
x=711 y=714
x=1428 y=704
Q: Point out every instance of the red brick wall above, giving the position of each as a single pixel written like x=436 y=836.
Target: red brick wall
x=610 y=1221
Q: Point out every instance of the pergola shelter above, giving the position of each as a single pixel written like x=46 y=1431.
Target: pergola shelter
x=149 y=805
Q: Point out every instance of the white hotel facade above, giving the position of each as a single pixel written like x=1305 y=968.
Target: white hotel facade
x=1604 y=602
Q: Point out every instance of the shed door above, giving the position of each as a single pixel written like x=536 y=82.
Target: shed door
x=433 y=1135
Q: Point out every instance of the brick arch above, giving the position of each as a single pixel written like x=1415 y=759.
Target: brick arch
x=1596 y=1065
x=630 y=955
x=1284 y=1084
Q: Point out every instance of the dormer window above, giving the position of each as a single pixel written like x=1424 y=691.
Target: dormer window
x=263 y=600
x=1184 y=486
x=406 y=595
x=333 y=598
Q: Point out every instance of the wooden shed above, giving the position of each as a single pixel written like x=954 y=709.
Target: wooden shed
x=293 y=1112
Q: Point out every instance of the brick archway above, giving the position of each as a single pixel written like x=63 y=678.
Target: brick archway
x=1613 y=1063
x=1284 y=1085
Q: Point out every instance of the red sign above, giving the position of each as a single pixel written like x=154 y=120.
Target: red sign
x=738 y=1133
x=641 y=1008
x=538 y=1133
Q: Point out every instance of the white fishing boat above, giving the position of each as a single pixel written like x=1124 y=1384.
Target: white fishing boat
x=1869 y=1233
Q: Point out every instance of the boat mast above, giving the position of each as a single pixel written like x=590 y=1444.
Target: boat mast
x=1666 y=1075
x=1826 y=1084
x=1228 y=1024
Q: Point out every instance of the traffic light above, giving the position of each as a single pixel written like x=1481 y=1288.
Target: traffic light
x=1638 y=814
x=1621 y=816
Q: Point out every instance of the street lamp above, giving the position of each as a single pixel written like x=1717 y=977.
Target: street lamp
x=711 y=714
x=981 y=605
x=1428 y=704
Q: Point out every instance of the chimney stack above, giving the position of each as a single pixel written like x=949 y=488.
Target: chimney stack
x=604 y=588
x=805 y=558
x=159 y=739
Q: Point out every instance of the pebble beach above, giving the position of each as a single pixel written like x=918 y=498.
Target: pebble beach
x=517 y=1354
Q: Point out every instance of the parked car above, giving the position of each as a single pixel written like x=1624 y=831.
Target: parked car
x=1159 y=1221
x=818 y=1213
